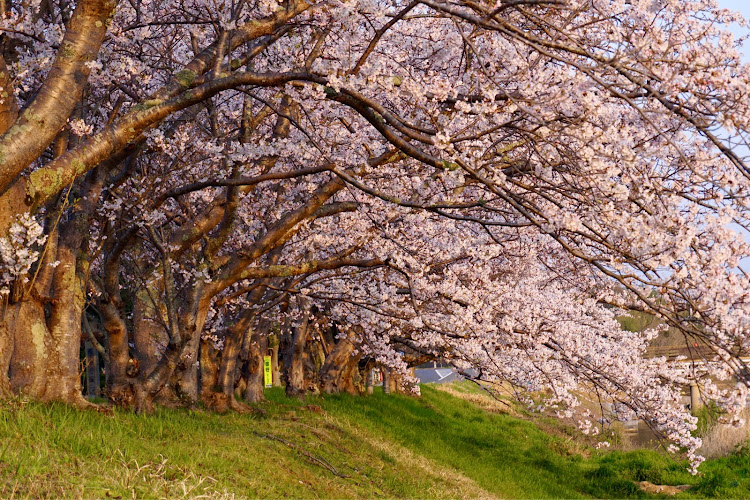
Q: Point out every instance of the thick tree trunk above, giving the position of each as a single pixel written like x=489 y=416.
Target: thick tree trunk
x=393 y=383
x=123 y=372
x=275 y=369
x=337 y=374
x=364 y=377
x=63 y=377
x=31 y=340
x=389 y=381
x=209 y=370
x=188 y=388
x=191 y=320
x=293 y=362
x=149 y=385
x=187 y=375
x=149 y=335
x=6 y=349
x=69 y=281
x=238 y=342
x=23 y=322
x=220 y=396
x=370 y=380
x=254 y=376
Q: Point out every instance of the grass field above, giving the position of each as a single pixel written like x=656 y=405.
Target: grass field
x=436 y=446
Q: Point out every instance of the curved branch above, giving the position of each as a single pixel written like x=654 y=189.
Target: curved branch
x=239 y=181
x=38 y=125
x=45 y=183
x=280 y=270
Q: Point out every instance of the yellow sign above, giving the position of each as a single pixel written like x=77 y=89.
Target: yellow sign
x=267 y=371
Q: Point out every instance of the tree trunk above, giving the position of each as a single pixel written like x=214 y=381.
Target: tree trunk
x=275 y=370
x=28 y=363
x=293 y=361
x=370 y=380
x=23 y=322
x=389 y=381
x=221 y=396
x=393 y=382
x=149 y=335
x=187 y=373
x=254 y=376
x=337 y=372
x=209 y=370
x=69 y=281
x=363 y=378
x=123 y=372
x=191 y=319
x=188 y=388
x=63 y=377
x=149 y=385
x=6 y=349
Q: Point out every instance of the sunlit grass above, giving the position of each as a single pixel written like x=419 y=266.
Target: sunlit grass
x=437 y=446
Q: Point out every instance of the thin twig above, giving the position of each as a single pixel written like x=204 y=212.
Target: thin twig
x=320 y=461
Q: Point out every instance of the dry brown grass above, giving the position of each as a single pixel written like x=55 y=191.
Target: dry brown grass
x=440 y=476
x=149 y=479
x=483 y=400
x=161 y=479
x=722 y=439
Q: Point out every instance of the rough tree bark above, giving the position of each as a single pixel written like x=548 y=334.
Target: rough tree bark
x=186 y=372
x=6 y=351
x=341 y=365
x=293 y=363
x=221 y=397
x=28 y=364
x=69 y=290
x=149 y=335
x=254 y=376
x=63 y=380
x=209 y=370
x=389 y=381
x=275 y=368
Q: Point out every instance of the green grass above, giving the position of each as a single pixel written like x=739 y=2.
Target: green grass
x=436 y=446
x=505 y=455
x=637 y=321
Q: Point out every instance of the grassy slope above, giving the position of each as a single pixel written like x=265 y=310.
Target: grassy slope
x=380 y=446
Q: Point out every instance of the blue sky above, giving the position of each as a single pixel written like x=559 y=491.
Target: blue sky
x=743 y=7
x=738 y=5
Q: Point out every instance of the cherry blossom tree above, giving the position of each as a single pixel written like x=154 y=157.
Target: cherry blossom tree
x=477 y=181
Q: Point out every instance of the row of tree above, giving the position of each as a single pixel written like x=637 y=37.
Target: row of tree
x=372 y=182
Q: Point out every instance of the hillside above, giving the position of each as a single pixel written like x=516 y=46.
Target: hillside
x=436 y=446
